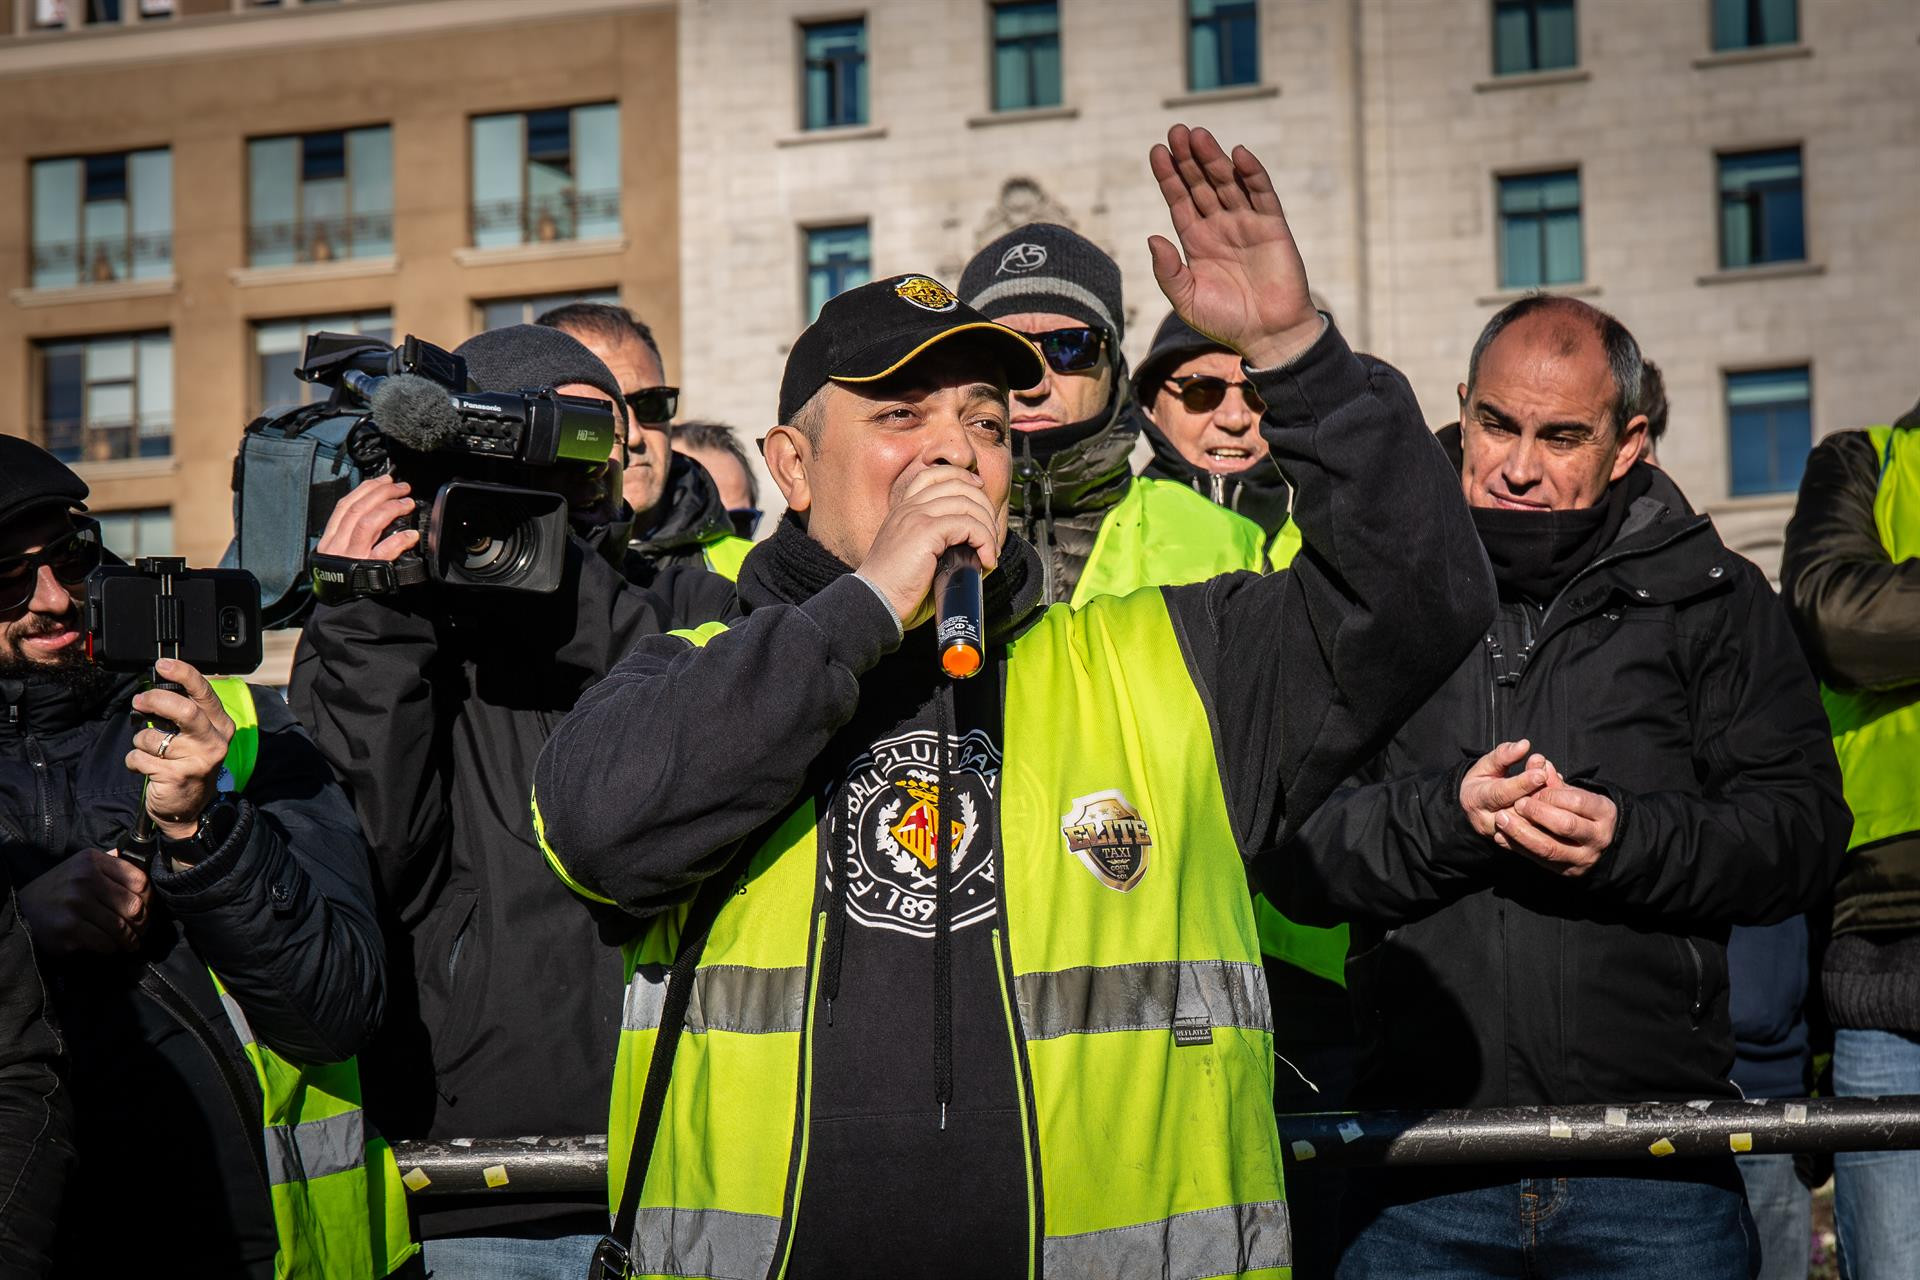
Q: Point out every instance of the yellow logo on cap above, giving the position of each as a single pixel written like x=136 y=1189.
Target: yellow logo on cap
x=926 y=293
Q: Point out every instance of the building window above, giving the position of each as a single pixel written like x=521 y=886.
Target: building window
x=147 y=531
x=501 y=312
x=1762 y=208
x=1223 y=44
x=280 y=345
x=838 y=259
x=1769 y=429
x=102 y=218
x=107 y=398
x=316 y=197
x=834 y=70
x=1749 y=24
x=542 y=176
x=1540 y=230
x=1533 y=35
x=1026 y=55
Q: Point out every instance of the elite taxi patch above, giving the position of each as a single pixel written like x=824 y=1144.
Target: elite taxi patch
x=926 y=293
x=1110 y=837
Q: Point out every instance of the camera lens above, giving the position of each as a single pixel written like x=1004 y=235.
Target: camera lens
x=488 y=556
x=232 y=626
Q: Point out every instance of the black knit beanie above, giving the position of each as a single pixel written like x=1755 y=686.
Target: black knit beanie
x=524 y=357
x=1044 y=267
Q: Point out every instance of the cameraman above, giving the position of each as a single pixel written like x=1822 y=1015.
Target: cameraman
x=432 y=704
x=212 y=1003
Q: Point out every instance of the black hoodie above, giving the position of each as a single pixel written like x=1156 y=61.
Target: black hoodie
x=1301 y=672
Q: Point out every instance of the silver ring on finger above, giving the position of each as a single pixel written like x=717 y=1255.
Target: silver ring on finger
x=166 y=740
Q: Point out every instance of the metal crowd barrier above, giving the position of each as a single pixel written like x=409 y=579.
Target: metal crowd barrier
x=1640 y=1131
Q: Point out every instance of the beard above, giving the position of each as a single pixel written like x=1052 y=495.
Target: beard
x=69 y=669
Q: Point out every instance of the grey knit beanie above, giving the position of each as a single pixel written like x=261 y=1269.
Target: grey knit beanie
x=524 y=357
x=1045 y=267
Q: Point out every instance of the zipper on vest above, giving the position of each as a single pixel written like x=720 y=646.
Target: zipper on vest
x=783 y=1253
x=1003 y=965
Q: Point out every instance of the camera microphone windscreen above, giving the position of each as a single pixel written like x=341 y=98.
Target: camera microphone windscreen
x=415 y=412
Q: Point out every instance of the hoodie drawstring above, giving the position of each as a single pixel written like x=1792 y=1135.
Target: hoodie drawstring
x=835 y=944
x=943 y=914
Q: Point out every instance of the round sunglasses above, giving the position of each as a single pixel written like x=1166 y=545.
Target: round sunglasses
x=1203 y=393
x=71 y=556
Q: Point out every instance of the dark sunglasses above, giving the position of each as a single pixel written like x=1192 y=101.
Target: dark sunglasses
x=653 y=404
x=1071 y=350
x=71 y=557
x=1203 y=393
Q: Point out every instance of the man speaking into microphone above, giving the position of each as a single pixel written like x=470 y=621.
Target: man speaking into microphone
x=959 y=977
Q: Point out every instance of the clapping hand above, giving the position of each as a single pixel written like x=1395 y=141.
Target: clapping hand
x=1562 y=828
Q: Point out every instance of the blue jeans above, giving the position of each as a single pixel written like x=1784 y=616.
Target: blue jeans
x=509 y=1258
x=1543 y=1228
x=1876 y=1194
x=1783 y=1214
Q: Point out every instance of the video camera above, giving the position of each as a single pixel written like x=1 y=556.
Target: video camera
x=409 y=411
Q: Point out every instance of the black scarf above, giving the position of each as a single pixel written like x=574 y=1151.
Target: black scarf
x=1536 y=553
x=791 y=567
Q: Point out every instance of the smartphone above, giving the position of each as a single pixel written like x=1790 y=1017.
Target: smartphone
x=159 y=608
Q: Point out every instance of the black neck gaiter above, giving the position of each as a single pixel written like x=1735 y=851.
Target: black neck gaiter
x=1536 y=553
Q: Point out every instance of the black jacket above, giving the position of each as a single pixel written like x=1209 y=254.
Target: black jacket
x=505 y=1006
x=1303 y=673
x=689 y=516
x=36 y=1114
x=1665 y=675
x=1259 y=493
x=283 y=912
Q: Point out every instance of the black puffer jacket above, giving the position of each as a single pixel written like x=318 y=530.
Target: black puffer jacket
x=283 y=912
x=1665 y=675
x=1066 y=479
x=1259 y=493
x=506 y=1005
x=689 y=516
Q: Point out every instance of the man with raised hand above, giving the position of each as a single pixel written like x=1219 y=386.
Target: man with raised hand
x=961 y=978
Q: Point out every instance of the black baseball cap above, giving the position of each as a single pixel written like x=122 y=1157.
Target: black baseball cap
x=31 y=478
x=872 y=332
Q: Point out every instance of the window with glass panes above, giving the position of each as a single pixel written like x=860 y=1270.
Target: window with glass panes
x=501 y=312
x=1769 y=429
x=1223 y=44
x=833 y=69
x=1026 y=55
x=280 y=345
x=1762 y=208
x=541 y=176
x=838 y=259
x=1540 y=230
x=1751 y=24
x=1533 y=35
x=106 y=398
x=97 y=219
x=317 y=197
x=146 y=531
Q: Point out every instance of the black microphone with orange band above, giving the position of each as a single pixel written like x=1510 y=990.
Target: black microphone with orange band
x=960 y=612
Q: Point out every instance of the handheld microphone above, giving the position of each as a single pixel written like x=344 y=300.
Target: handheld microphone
x=960 y=612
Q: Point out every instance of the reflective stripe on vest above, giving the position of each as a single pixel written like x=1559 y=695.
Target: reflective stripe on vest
x=1143 y=1012
x=725 y=555
x=1877 y=734
x=331 y=1221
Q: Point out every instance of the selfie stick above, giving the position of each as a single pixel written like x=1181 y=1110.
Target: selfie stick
x=140 y=845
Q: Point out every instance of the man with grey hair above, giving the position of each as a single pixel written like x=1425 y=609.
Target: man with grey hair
x=1542 y=866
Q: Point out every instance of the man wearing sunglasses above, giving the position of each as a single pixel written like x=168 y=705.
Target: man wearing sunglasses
x=679 y=517
x=1099 y=531
x=260 y=881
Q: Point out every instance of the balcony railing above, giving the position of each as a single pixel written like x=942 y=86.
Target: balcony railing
x=360 y=235
x=572 y=215
x=60 y=263
x=72 y=440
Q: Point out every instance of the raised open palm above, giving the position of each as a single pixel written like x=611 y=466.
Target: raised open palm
x=1237 y=275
